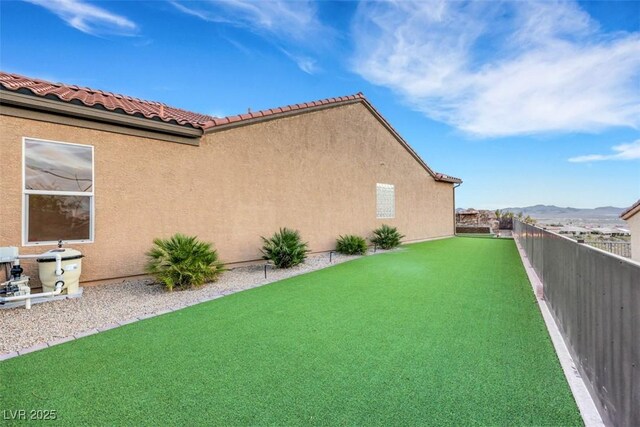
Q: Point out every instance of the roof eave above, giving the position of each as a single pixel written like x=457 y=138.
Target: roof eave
x=449 y=179
x=35 y=102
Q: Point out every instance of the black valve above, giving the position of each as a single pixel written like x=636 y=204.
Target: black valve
x=16 y=271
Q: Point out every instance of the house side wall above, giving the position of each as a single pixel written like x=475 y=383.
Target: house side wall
x=634 y=226
x=316 y=172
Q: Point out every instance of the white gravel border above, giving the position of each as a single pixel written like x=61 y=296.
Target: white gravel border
x=109 y=306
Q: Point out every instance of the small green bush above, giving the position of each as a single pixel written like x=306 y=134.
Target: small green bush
x=182 y=262
x=285 y=248
x=386 y=237
x=351 y=245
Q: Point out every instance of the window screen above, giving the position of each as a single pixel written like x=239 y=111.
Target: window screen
x=58 y=188
x=386 y=201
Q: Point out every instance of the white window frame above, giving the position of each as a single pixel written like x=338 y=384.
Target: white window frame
x=25 y=193
x=393 y=201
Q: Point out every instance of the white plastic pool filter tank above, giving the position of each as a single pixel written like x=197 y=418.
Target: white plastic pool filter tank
x=59 y=271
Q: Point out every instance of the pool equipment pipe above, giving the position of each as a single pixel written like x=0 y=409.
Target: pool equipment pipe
x=22 y=281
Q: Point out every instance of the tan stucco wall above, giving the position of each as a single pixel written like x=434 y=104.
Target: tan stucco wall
x=316 y=172
x=634 y=226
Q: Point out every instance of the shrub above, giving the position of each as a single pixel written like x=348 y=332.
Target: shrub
x=182 y=262
x=351 y=245
x=386 y=237
x=285 y=248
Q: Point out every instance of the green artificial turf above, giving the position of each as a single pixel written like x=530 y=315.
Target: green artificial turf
x=438 y=333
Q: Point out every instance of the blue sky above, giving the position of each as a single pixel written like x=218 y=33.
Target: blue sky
x=528 y=102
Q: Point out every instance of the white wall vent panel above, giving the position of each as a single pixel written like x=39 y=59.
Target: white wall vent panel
x=385 y=201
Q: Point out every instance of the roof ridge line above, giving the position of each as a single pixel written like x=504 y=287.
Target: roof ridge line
x=234 y=118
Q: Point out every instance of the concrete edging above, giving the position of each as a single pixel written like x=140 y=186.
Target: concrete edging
x=584 y=401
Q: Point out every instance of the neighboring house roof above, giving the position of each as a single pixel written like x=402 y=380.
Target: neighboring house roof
x=160 y=112
x=631 y=211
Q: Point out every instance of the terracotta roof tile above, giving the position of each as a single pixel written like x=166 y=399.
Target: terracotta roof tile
x=109 y=100
x=279 y=110
x=447 y=178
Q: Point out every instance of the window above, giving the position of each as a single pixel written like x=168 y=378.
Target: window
x=58 y=192
x=385 y=201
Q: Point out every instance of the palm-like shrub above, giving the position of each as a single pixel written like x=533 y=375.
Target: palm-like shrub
x=182 y=262
x=351 y=245
x=285 y=248
x=386 y=237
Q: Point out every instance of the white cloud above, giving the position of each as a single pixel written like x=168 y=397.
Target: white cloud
x=630 y=151
x=284 y=19
x=305 y=63
x=498 y=69
x=88 y=18
x=308 y=65
x=291 y=23
x=193 y=12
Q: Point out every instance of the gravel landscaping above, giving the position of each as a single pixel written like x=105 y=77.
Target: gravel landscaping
x=106 y=306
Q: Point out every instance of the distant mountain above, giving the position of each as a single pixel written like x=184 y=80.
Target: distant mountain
x=551 y=211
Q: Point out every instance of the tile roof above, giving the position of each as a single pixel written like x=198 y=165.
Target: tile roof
x=447 y=178
x=108 y=100
x=220 y=121
x=158 y=111
x=631 y=211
